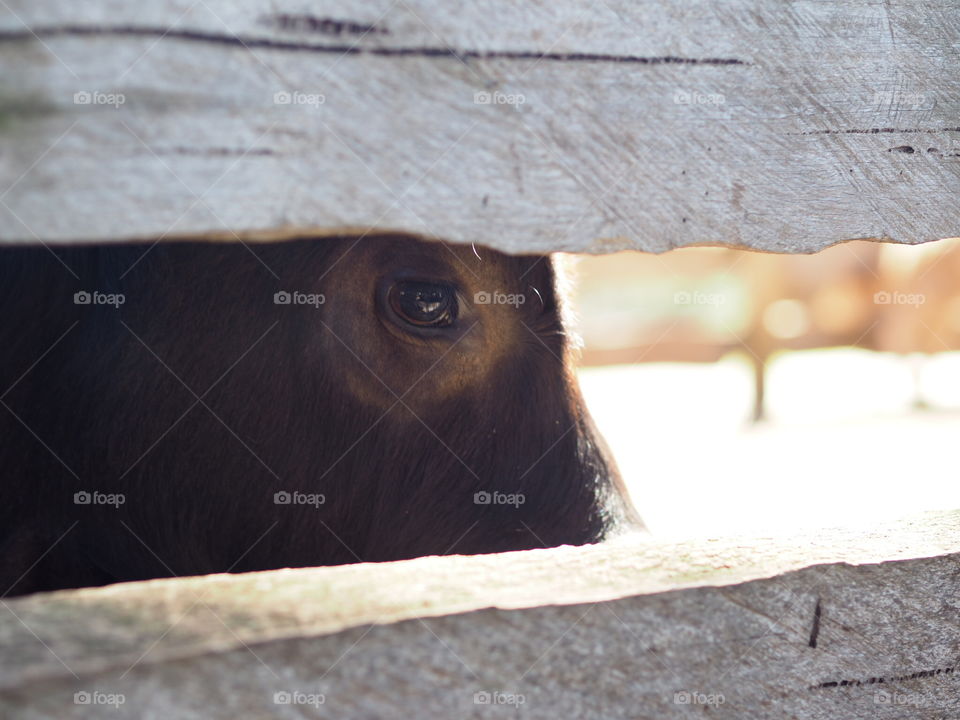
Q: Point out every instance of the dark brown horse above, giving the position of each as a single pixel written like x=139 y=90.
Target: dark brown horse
x=192 y=408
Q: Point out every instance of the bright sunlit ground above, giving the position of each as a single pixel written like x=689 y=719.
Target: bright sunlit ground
x=843 y=445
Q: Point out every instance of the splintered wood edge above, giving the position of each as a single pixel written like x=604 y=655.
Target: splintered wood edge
x=598 y=247
x=601 y=246
x=98 y=629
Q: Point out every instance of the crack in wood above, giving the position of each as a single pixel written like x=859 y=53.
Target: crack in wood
x=884 y=680
x=252 y=42
x=815 y=630
x=937 y=151
x=288 y=22
x=213 y=151
x=910 y=150
x=874 y=131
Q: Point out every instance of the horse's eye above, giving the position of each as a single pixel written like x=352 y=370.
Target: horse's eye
x=424 y=304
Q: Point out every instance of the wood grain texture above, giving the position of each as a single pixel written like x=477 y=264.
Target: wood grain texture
x=825 y=625
x=756 y=123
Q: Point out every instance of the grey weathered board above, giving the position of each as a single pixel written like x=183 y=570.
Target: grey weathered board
x=776 y=125
x=834 y=624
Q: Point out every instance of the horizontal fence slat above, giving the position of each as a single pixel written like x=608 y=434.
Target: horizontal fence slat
x=854 y=624
x=625 y=125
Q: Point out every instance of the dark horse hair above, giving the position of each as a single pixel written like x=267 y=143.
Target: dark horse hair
x=177 y=419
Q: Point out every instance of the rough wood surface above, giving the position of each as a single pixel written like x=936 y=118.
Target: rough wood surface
x=649 y=125
x=833 y=624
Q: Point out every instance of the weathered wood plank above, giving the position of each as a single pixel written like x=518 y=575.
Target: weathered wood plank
x=776 y=126
x=833 y=624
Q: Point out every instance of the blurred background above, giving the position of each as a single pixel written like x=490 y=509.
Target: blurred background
x=756 y=393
